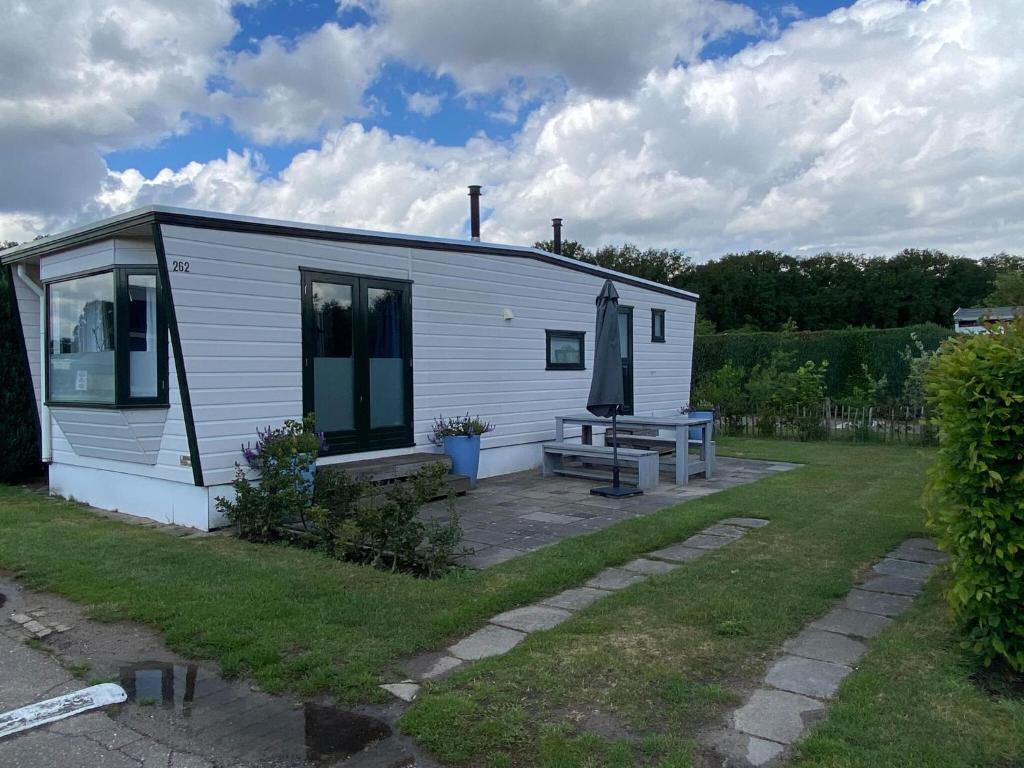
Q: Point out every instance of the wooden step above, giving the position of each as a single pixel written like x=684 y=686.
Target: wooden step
x=388 y=469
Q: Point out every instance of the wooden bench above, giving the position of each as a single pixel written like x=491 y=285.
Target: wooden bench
x=646 y=462
x=663 y=445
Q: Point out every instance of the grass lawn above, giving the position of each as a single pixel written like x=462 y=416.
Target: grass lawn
x=630 y=680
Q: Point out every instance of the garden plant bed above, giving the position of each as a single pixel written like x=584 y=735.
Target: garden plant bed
x=631 y=680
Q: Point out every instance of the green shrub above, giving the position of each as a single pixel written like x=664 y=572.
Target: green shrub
x=975 y=387
x=380 y=525
x=724 y=390
x=19 y=419
x=285 y=459
x=848 y=351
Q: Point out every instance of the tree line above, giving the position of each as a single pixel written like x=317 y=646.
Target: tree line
x=771 y=291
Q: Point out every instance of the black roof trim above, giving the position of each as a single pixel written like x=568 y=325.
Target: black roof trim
x=156 y=215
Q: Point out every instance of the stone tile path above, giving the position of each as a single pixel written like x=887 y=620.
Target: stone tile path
x=507 y=516
x=798 y=686
x=506 y=630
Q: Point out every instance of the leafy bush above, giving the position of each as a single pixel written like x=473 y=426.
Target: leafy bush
x=19 y=419
x=787 y=397
x=847 y=351
x=381 y=526
x=975 y=387
x=724 y=390
x=285 y=459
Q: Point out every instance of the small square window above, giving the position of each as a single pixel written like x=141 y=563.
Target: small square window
x=565 y=350
x=658 y=325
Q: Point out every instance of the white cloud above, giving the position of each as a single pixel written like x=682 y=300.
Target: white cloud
x=87 y=77
x=425 y=104
x=602 y=46
x=885 y=125
x=286 y=91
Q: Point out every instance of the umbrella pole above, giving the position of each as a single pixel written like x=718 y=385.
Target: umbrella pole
x=615 y=454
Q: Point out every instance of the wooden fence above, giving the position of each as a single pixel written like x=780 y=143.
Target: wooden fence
x=834 y=422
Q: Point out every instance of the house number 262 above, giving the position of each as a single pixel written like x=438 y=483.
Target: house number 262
x=180 y=266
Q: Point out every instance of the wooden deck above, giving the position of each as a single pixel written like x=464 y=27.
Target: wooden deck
x=395 y=469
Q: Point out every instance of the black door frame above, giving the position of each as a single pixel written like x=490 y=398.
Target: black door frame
x=627 y=373
x=362 y=437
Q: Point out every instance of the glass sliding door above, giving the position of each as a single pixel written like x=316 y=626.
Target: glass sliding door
x=357 y=360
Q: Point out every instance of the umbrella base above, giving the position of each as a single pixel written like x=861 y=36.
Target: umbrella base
x=617 y=491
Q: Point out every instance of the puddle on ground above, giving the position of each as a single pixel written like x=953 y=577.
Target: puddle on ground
x=315 y=733
x=3 y=599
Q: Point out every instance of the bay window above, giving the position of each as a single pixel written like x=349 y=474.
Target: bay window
x=107 y=340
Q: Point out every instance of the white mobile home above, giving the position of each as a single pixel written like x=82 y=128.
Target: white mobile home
x=161 y=339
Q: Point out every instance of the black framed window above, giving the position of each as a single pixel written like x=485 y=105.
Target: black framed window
x=565 y=350
x=658 y=325
x=106 y=339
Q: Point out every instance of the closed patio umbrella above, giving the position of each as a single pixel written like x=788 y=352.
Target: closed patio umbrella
x=606 y=391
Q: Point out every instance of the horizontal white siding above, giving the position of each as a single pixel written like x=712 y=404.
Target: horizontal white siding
x=239 y=317
x=96 y=256
x=107 y=433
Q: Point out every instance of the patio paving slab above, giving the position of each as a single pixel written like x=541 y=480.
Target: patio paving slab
x=550 y=517
x=705 y=541
x=642 y=565
x=489 y=641
x=403 y=691
x=614 y=578
x=721 y=529
x=906 y=568
x=825 y=646
x=531 y=618
x=745 y=522
x=430 y=666
x=918 y=555
x=742 y=750
x=778 y=716
x=810 y=677
x=488 y=556
x=678 y=553
x=894 y=585
x=855 y=623
x=576 y=599
x=877 y=602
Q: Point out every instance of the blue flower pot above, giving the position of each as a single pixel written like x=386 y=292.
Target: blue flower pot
x=465 y=454
x=695 y=431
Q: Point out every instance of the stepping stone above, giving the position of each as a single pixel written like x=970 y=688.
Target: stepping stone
x=825 y=646
x=614 y=578
x=919 y=555
x=905 y=568
x=847 y=622
x=745 y=522
x=704 y=541
x=405 y=691
x=877 y=602
x=489 y=641
x=741 y=749
x=721 y=529
x=810 y=677
x=893 y=585
x=431 y=665
x=920 y=544
x=641 y=565
x=777 y=715
x=576 y=599
x=677 y=553
x=531 y=618
x=20 y=618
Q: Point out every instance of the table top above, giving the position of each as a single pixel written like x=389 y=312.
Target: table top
x=649 y=421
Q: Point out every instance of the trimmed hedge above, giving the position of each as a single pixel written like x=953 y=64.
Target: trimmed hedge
x=976 y=392
x=846 y=351
x=19 y=420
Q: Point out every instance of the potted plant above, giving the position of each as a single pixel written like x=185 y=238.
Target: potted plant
x=286 y=457
x=459 y=436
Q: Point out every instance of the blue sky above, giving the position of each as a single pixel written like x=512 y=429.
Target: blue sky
x=711 y=126
x=457 y=120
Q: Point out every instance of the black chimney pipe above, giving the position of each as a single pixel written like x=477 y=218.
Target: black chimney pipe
x=556 y=224
x=474 y=211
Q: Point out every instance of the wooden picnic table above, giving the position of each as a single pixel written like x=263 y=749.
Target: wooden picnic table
x=679 y=425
